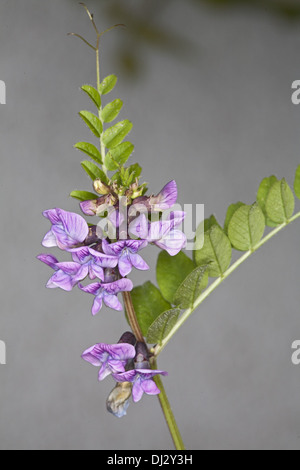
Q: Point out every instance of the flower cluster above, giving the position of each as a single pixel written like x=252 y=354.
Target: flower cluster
x=104 y=258
x=128 y=363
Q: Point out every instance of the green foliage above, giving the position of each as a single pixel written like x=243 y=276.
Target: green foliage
x=118 y=155
x=215 y=253
x=280 y=202
x=111 y=110
x=191 y=287
x=171 y=272
x=246 y=227
x=114 y=135
x=93 y=94
x=84 y=195
x=108 y=84
x=93 y=122
x=297 y=182
x=94 y=171
x=162 y=326
x=148 y=304
x=90 y=150
x=230 y=211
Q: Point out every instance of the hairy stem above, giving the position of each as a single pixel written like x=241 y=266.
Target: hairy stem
x=217 y=282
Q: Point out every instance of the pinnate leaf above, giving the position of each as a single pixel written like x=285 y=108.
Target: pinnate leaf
x=215 y=253
x=111 y=110
x=118 y=155
x=262 y=194
x=162 y=326
x=90 y=150
x=93 y=94
x=246 y=227
x=114 y=135
x=280 y=202
x=171 y=272
x=92 y=121
x=84 y=195
x=190 y=289
x=94 y=171
x=108 y=84
x=148 y=304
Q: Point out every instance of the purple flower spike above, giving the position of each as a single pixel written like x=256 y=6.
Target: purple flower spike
x=106 y=292
x=165 y=199
x=126 y=250
x=67 y=273
x=111 y=358
x=142 y=381
x=68 y=229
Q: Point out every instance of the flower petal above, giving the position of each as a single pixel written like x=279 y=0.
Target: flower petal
x=49 y=240
x=93 y=288
x=60 y=279
x=97 y=304
x=75 y=225
x=139 y=227
x=112 y=301
x=50 y=260
x=125 y=265
x=137 y=390
x=150 y=387
x=173 y=242
x=166 y=198
x=118 y=286
x=138 y=262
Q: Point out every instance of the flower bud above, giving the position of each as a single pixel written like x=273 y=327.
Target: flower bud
x=100 y=187
x=118 y=399
x=128 y=337
x=141 y=360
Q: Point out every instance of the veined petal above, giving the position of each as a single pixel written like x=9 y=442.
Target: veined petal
x=81 y=254
x=49 y=240
x=137 y=390
x=173 y=243
x=150 y=387
x=139 y=227
x=112 y=301
x=104 y=260
x=138 y=262
x=125 y=265
x=97 y=304
x=92 y=356
x=60 y=279
x=69 y=267
x=113 y=249
x=74 y=225
x=93 y=288
x=128 y=376
x=89 y=207
x=118 y=286
x=50 y=260
x=95 y=271
x=52 y=215
x=166 y=198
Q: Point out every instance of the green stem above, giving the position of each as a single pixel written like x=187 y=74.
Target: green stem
x=158 y=349
x=167 y=411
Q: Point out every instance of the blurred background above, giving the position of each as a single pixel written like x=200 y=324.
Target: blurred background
x=207 y=85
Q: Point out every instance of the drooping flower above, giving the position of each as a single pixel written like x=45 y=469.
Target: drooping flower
x=111 y=358
x=142 y=380
x=126 y=250
x=68 y=229
x=107 y=292
x=118 y=399
x=67 y=274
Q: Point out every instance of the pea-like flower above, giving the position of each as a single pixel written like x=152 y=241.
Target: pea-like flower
x=66 y=275
x=93 y=261
x=111 y=358
x=107 y=293
x=68 y=229
x=142 y=381
x=126 y=250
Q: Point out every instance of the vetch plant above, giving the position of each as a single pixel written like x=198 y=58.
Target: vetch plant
x=129 y=220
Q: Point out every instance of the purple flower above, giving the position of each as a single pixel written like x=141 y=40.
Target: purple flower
x=142 y=381
x=93 y=261
x=162 y=233
x=68 y=229
x=165 y=199
x=106 y=292
x=67 y=273
x=111 y=358
x=126 y=250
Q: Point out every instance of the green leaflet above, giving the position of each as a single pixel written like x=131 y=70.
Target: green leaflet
x=246 y=227
x=230 y=211
x=162 y=326
x=93 y=94
x=111 y=110
x=262 y=194
x=215 y=253
x=297 y=182
x=108 y=84
x=148 y=304
x=115 y=134
x=94 y=171
x=119 y=154
x=171 y=272
x=191 y=287
x=92 y=121
x=203 y=227
x=135 y=170
x=84 y=195
x=280 y=202
x=90 y=150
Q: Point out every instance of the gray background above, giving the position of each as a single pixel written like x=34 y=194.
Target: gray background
x=215 y=113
